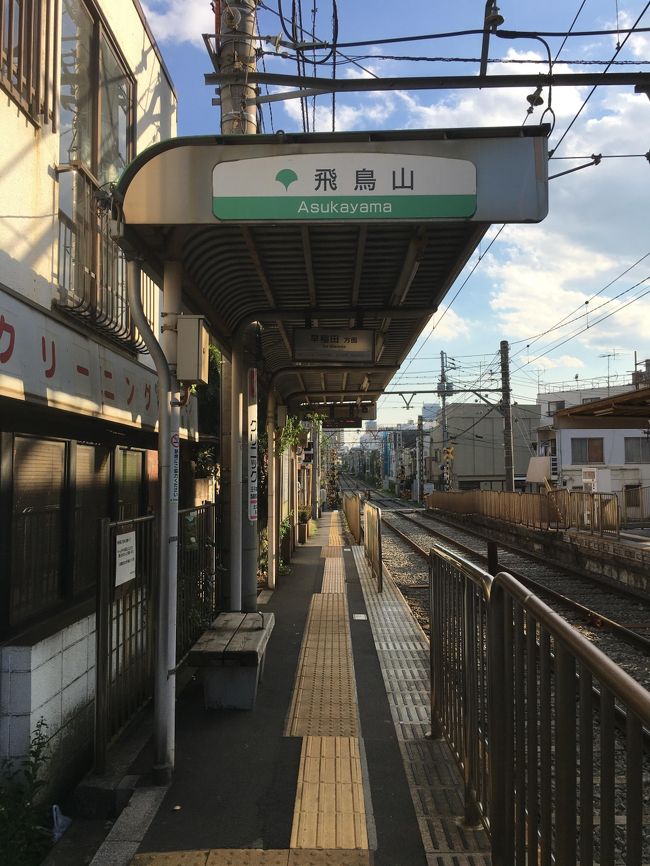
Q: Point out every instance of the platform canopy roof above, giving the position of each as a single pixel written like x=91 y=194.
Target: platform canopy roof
x=354 y=236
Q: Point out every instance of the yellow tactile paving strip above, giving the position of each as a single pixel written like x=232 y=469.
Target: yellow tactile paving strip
x=334 y=575
x=329 y=811
x=254 y=857
x=324 y=696
x=332 y=552
x=336 y=535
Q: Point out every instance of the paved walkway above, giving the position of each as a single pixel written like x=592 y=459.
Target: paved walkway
x=333 y=765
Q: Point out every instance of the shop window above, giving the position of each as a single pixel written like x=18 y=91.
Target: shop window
x=637 y=449
x=58 y=492
x=92 y=503
x=586 y=450
x=28 y=56
x=129 y=474
x=37 y=526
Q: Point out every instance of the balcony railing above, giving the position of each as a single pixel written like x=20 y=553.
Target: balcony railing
x=92 y=268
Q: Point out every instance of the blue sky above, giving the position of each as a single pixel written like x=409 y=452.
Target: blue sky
x=586 y=267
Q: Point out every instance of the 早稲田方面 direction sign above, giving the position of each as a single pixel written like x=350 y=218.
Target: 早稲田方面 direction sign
x=343 y=187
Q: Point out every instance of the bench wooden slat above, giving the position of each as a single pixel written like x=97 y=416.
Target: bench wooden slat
x=251 y=637
x=233 y=638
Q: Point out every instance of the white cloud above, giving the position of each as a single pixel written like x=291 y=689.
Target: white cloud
x=638 y=43
x=179 y=20
x=490 y=107
x=449 y=325
x=544 y=279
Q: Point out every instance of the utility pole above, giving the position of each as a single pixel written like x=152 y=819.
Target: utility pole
x=506 y=410
x=442 y=391
x=237 y=55
x=419 y=456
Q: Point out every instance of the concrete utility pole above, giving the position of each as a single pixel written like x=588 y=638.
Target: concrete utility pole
x=237 y=55
x=506 y=409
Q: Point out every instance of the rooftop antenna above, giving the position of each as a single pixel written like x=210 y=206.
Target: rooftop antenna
x=612 y=354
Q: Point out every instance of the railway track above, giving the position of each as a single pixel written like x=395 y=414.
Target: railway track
x=616 y=621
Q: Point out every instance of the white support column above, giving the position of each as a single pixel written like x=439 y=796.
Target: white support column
x=315 y=471
x=250 y=548
x=165 y=683
x=236 y=492
x=272 y=529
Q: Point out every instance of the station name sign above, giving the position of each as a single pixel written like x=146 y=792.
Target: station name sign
x=341 y=411
x=342 y=424
x=341 y=186
x=334 y=344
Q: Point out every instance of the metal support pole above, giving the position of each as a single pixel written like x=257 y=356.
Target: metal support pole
x=236 y=421
x=166 y=638
x=164 y=673
x=506 y=409
x=272 y=528
x=225 y=494
x=315 y=470
x=250 y=552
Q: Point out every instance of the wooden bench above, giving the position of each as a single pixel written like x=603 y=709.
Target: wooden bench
x=230 y=655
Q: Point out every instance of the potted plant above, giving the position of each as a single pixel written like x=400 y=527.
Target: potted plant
x=303 y=523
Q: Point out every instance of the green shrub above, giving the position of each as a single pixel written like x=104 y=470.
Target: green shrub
x=24 y=836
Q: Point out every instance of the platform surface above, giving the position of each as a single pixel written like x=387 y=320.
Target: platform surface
x=333 y=766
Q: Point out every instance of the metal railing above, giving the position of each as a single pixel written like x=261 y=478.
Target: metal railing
x=372 y=542
x=126 y=609
x=92 y=272
x=553 y=510
x=198 y=585
x=352 y=509
x=547 y=730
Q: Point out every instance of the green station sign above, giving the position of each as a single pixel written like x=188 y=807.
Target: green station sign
x=342 y=187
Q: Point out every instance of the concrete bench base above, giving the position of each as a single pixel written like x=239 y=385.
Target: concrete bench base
x=231 y=655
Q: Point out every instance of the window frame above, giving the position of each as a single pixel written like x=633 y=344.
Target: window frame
x=69 y=592
x=641 y=458
x=36 y=69
x=91 y=268
x=588 y=440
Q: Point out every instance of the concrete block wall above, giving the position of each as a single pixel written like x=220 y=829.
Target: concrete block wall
x=53 y=679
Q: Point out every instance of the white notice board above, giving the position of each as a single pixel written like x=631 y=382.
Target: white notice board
x=124 y=558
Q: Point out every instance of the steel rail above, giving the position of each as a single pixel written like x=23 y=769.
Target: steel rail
x=589 y=614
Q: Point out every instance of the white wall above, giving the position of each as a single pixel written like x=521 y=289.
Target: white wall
x=622 y=473
x=53 y=679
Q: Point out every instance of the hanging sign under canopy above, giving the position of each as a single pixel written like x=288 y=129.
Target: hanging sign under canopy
x=334 y=344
